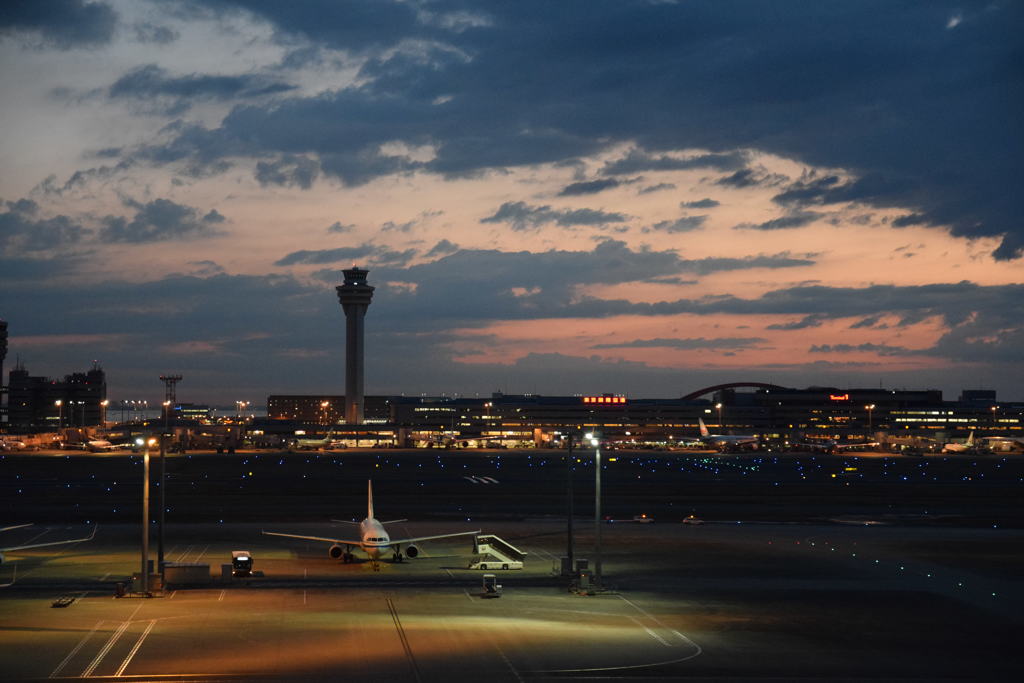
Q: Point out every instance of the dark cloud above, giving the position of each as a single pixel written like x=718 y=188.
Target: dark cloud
x=802 y=324
x=797 y=220
x=706 y=203
x=370 y=254
x=751 y=177
x=64 y=24
x=714 y=264
x=589 y=187
x=684 y=224
x=338 y=227
x=442 y=248
x=880 y=349
x=160 y=220
x=173 y=95
x=657 y=188
x=22 y=229
x=638 y=161
x=922 y=117
x=522 y=216
x=687 y=344
x=289 y=170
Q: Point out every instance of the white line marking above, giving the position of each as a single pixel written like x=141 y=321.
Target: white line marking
x=651 y=633
x=138 y=644
x=110 y=643
x=173 y=593
x=221 y=598
x=202 y=553
x=468 y=595
x=505 y=659
x=449 y=572
x=303 y=597
x=75 y=650
x=104 y=577
x=105 y=650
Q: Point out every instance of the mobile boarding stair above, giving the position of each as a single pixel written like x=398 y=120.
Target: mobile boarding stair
x=491 y=552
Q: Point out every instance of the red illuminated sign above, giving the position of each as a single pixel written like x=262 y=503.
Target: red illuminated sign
x=605 y=400
x=839 y=397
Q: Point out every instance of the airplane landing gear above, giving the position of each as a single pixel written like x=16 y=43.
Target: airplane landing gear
x=397 y=557
x=348 y=558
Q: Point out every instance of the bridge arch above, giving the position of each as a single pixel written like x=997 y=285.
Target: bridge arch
x=729 y=385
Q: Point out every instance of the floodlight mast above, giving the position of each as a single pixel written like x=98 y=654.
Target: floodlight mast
x=595 y=441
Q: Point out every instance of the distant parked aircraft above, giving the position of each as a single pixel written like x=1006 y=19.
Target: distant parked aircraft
x=373 y=538
x=725 y=441
x=956 y=447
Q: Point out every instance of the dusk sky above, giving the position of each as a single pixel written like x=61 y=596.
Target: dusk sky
x=641 y=197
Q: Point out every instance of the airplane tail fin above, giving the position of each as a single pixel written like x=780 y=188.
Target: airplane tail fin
x=970 y=439
x=703 y=427
x=369 y=499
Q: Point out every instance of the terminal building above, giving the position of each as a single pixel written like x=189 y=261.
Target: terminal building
x=771 y=412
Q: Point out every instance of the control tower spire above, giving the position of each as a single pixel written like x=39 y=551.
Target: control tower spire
x=354 y=296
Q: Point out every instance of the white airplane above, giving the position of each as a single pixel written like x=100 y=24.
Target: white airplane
x=100 y=446
x=373 y=538
x=726 y=440
x=316 y=444
x=954 y=447
x=12 y=548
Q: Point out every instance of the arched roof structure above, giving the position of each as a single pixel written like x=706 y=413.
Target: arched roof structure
x=730 y=385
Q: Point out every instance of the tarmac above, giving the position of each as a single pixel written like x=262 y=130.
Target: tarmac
x=854 y=598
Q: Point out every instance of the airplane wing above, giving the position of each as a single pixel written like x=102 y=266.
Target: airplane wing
x=44 y=545
x=339 y=541
x=398 y=541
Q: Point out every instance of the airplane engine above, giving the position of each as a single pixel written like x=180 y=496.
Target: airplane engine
x=412 y=551
x=335 y=552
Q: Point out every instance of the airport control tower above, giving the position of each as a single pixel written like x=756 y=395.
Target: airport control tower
x=355 y=297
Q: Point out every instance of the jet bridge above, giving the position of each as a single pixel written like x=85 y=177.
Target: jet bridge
x=491 y=552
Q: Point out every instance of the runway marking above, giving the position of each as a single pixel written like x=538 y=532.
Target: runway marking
x=505 y=659
x=110 y=643
x=449 y=572
x=105 y=650
x=222 y=592
x=78 y=647
x=104 y=577
x=138 y=644
x=469 y=596
x=173 y=593
x=404 y=640
x=202 y=553
x=651 y=633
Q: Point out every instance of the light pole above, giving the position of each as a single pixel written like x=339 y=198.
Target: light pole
x=60 y=413
x=145 y=515
x=719 y=406
x=323 y=412
x=163 y=481
x=993 y=409
x=870 y=408
x=596 y=443
x=570 y=542
x=103 y=412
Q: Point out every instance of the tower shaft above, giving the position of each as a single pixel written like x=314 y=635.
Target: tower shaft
x=354 y=296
